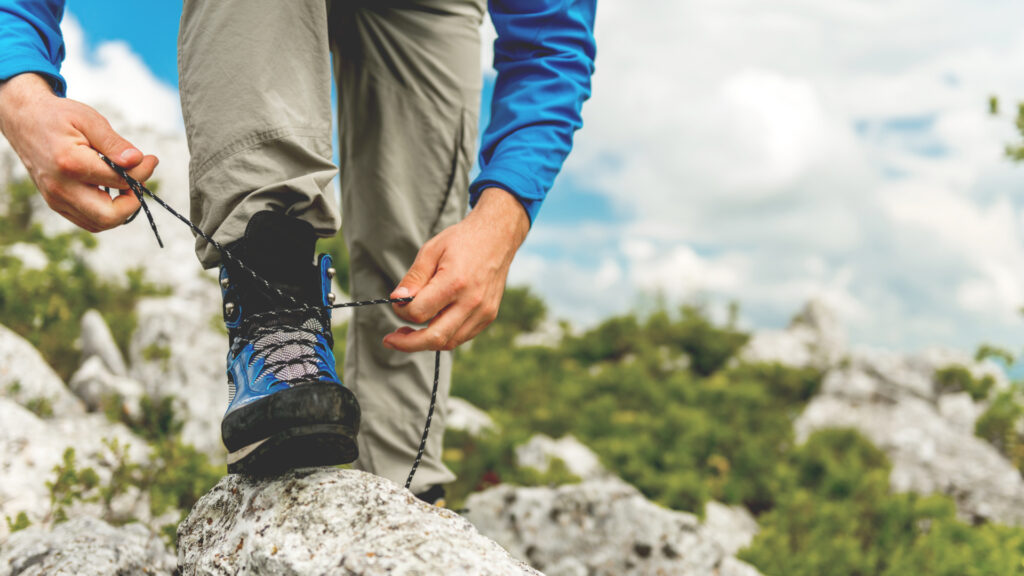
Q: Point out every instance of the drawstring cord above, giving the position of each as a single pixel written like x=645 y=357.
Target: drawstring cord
x=141 y=192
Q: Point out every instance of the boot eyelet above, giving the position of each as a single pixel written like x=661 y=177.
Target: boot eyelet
x=331 y=272
x=224 y=282
x=330 y=298
x=229 y=308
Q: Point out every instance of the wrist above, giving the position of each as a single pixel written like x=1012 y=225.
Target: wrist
x=20 y=91
x=504 y=211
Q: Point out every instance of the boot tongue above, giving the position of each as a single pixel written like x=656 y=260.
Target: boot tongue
x=280 y=249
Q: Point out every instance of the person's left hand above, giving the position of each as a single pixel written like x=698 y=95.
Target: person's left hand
x=458 y=277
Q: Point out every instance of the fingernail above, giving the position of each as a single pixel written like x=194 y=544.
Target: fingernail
x=387 y=344
x=402 y=292
x=127 y=153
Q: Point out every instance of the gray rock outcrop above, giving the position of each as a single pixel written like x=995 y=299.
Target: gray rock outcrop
x=814 y=338
x=97 y=341
x=176 y=351
x=927 y=433
x=330 y=521
x=30 y=448
x=85 y=547
x=98 y=388
x=580 y=460
x=464 y=416
x=599 y=528
x=28 y=380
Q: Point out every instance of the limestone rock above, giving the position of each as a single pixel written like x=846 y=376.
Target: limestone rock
x=539 y=451
x=32 y=256
x=31 y=447
x=177 y=351
x=330 y=521
x=97 y=387
x=97 y=341
x=929 y=454
x=598 y=528
x=28 y=380
x=464 y=416
x=85 y=547
x=732 y=527
x=814 y=338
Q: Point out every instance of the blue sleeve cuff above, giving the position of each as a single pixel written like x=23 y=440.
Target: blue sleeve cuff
x=13 y=64
x=524 y=189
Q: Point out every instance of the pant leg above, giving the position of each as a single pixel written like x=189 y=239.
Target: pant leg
x=255 y=80
x=409 y=81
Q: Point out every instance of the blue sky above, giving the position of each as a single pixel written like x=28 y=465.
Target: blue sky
x=765 y=153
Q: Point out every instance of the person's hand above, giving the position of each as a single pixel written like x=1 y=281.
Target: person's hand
x=57 y=139
x=458 y=277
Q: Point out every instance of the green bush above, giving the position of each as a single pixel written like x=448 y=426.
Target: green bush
x=45 y=306
x=998 y=425
x=836 y=516
x=958 y=378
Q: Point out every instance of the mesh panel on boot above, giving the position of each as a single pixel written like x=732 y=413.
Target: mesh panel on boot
x=290 y=350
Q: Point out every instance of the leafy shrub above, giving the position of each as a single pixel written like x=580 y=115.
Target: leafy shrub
x=836 y=516
x=998 y=425
x=45 y=306
x=958 y=378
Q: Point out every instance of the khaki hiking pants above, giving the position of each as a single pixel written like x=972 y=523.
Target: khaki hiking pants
x=255 y=81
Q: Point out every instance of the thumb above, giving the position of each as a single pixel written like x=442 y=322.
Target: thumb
x=422 y=270
x=106 y=141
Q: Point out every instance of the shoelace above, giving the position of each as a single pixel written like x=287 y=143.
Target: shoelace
x=295 y=306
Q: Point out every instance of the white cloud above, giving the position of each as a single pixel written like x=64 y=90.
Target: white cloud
x=770 y=152
x=116 y=81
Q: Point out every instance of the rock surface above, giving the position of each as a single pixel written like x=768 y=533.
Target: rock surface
x=97 y=341
x=598 y=528
x=541 y=449
x=30 y=448
x=97 y=387
x=28 y=380
x=814 y=338
x=177 y=351
x=85 y=547
x=464 y=416
x=732 y=527
x=331 y=521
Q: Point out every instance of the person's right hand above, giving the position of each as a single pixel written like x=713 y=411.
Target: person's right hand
x=57 y=139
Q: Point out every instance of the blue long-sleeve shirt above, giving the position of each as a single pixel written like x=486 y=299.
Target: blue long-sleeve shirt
x=544 y=56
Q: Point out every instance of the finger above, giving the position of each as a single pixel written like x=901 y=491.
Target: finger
x=103 y=138
x=436 y=336
x=439 y=292
x=145 y=169
x=421 y=271
x=98 y=209
x=82 y=164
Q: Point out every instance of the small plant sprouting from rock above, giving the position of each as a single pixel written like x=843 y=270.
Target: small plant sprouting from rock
x=958 y=378
x=69 y=486
x=40 y=406
x=157 y=353
x=20 y=522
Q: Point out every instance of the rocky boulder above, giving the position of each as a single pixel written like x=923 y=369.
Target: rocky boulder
x=331 y=521
x=599 y=528
x=814 y=338
x=28 y=380
x=85 y=547
x=97 y=341
x=539 y=452
x=930 y=452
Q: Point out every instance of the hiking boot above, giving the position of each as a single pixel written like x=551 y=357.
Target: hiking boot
x=287 y=408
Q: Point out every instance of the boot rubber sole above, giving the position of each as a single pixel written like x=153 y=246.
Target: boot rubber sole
x=313 y=424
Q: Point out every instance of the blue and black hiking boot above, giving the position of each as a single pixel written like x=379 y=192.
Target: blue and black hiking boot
x=287 y=408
